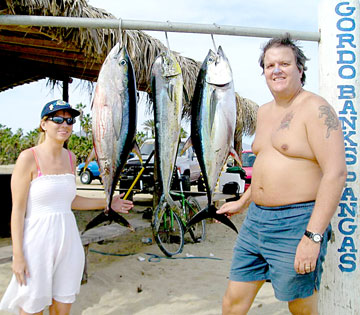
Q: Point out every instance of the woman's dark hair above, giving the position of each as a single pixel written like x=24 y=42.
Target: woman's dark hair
x=286 y=41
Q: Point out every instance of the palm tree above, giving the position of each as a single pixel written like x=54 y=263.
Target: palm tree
x=80 y=107
x=86 y=124
x=149 y=125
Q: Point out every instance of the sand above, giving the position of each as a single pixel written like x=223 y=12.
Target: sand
x=140 y=284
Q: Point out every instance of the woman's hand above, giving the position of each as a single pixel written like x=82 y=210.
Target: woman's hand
x=20 y=270
x=121 y=205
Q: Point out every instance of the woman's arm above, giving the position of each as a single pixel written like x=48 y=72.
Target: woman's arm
x=20 y=183
x=85 y=203
x=118 y=204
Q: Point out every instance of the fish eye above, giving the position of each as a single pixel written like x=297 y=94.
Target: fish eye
x=211 y=59
x=123 y=62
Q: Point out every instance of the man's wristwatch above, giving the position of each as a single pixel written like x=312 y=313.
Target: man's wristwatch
x=315 y=237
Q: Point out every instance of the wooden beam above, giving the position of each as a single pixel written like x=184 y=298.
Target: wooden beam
x=36 y=51
x=41 y=43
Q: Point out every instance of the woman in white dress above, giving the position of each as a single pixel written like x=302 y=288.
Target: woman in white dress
x=48 y=257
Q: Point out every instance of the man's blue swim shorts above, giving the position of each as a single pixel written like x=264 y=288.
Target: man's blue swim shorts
x=266 y=246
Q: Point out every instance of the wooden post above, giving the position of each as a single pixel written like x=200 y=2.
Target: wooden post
x=66 y=82
x=339 y=53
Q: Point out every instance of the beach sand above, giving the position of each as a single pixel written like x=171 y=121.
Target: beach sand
x=138 y=283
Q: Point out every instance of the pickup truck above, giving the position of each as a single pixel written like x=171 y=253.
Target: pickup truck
x=187 y=164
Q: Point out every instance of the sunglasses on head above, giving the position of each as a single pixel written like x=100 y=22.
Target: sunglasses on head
x=59 y=120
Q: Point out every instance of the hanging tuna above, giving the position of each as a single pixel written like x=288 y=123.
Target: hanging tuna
x=213 y=120
x=114 y=119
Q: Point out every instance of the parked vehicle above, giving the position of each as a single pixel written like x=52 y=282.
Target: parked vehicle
x=187 y=164
x=92 y=172
x=248 y=159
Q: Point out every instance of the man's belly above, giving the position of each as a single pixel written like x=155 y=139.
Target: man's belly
x=281 y=180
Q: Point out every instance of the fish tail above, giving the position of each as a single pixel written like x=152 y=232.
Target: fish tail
x=236 y=157
x=100 y=218
x=210 y=212
x=89 y=158
x=186 y=146
x=119 y=219
x=165 y=202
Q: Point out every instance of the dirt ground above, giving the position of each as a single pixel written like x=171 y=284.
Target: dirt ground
x=127 y=276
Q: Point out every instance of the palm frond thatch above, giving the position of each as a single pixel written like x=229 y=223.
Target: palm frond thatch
x=95 y=44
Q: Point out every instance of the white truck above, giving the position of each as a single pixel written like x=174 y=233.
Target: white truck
x=187 y=164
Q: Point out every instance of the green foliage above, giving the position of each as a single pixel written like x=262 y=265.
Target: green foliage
x=85 y=121
x=183 y=133
x=11 y=144
x=81 y=146
x=149 y=125
x=140 y=138
x=86 y=124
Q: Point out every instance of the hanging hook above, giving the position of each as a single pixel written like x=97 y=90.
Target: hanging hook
x=167 y=42
x=213 y=40
x=120 y=32
x=166 y=36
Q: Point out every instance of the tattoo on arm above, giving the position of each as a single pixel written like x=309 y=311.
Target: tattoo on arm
x=285 y=123
x=330 y=120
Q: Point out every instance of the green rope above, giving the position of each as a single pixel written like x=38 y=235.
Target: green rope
x=110 y=254
x=153 y=257
x=157 y=258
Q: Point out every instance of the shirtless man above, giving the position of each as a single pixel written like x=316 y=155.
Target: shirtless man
x=297 y=180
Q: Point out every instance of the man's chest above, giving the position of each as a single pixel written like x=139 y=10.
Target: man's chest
x=285 y=133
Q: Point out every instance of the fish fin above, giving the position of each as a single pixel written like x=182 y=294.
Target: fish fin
x=220 y=51
x=116 y=120
x=165 y=201
x=186 y=95
x=171 y=92
x=90 y=157
x=119 y=219
x=136 y=150
x=213 y=103
x=100 y=218
x=210 y=212
x=171 y=202
x=152 y=94
x=156 y=219
x=186 y=146
x=236 y=157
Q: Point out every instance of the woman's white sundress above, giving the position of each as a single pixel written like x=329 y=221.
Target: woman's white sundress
x=51 y=245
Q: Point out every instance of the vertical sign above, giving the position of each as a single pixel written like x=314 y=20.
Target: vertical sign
x=339 y=54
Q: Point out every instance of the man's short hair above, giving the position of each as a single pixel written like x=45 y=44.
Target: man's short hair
x=286 y=41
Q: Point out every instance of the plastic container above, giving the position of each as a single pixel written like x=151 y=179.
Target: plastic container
x=146 y=240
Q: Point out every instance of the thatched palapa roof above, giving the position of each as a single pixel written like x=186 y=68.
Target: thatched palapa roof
x=29 y=53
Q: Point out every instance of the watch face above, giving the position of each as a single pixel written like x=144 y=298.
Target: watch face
x=317 y=238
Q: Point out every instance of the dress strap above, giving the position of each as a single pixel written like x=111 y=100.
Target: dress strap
x=37 y=162
x=71 y=161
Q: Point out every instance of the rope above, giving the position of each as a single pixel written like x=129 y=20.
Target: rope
x=153 y=257
x=110 y=254
x=157 y=258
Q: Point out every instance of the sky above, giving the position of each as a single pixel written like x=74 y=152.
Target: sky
x=21 y=106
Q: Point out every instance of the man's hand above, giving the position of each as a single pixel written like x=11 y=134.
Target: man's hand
x=307 y=254
x=121 y=205
x=230 y=208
